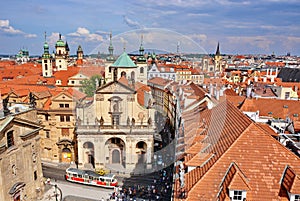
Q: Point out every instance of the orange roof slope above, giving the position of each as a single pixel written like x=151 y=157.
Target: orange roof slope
x=261 y=158
x=278 y=108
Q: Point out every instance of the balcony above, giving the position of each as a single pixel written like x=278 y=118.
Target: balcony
x=117 y=129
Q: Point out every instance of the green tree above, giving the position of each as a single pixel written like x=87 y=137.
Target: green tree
x=89 y=85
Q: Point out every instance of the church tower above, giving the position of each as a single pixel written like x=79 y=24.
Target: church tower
x=218 y=59
x=110 y=59
x=79 y=56
x=61 y=55
x=46 y=61
x=142 y=64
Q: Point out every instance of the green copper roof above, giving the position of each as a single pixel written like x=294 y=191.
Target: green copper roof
x=60 y=43
x=46 y=46
x=124 y=61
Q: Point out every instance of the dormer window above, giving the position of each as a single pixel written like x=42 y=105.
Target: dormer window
x=236 y=195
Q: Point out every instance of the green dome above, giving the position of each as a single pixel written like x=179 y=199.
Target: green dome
x=60 y=43
x=46 y=46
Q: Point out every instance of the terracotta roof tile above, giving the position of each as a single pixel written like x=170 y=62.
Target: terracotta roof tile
x=290 y=181
x=239 y=182
x=64 y=75
x=159 y=81
x=279 y=108
x=249 y=153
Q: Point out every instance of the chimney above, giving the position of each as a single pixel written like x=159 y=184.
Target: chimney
x=285 y=111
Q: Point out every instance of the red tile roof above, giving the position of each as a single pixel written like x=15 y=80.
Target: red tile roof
x=159 y=81
x=64 y=75
x=235 y=138
x=279 y=108
x=262 y=161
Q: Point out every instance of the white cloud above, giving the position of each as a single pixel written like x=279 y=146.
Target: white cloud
x=199 y=15
x=132 y=23
x=85 y=34
x=6 y=28
x=194 y=3
x=153 y=38
x=4 y=23
x=30 y=36
x=262 y=42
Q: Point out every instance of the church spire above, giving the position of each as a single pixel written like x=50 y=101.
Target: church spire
x=218 y=50
x=110 y=48
x=46 y=46
x=141 y=47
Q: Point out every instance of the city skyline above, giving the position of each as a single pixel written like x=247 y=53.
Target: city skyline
x=241 y=27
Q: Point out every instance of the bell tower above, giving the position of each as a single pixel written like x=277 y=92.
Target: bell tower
x=218 y=59
x=47 y=60
x=61 y=55
x=79 y=56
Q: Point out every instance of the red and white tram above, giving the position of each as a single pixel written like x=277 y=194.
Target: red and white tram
x=89 y=177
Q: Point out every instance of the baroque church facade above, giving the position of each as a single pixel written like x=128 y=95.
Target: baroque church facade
x=116 y=131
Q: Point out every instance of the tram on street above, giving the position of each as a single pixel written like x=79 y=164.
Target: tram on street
x=89 y=177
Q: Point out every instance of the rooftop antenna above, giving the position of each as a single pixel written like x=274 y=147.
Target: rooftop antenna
x=142 y=38
x=178 y=45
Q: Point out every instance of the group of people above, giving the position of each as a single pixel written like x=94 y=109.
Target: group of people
x=160 y=188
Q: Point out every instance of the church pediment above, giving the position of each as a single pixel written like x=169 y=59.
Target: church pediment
x=115 y=88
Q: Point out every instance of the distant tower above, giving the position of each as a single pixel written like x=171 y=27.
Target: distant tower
x=46 y=61
x=141 y=58
x=178 y=46
x=61 y=55
x=142 y=65
x=79 y=56
x=110 y=57
x=67 y=50
x=217 y=59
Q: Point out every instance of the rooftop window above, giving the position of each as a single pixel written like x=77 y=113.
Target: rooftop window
x=237 y=195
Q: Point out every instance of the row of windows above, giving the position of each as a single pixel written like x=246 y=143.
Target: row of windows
x=141 y=70
x=64 y=105
x=64 y=118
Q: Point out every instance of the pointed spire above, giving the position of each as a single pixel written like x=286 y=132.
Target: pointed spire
x=141 y=47
x=218 y=50
x=46 y=46
x=67 y=47
x=110 y=48
x=59 y=36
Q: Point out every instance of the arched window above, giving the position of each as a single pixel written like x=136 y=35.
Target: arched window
x=142 y=70
x=133 y=77
x=10 y=139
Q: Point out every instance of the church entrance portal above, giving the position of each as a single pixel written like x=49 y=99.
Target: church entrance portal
x=116 y=156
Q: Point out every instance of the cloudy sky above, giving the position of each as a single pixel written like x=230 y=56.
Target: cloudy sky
x=240 y=26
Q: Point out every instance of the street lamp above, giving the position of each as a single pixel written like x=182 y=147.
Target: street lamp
x=55 y=192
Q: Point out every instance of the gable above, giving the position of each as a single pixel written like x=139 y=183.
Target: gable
x=62 y=97
x=115 y=88
x=78 y=76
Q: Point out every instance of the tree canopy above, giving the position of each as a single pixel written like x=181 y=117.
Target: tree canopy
x=90 y=85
